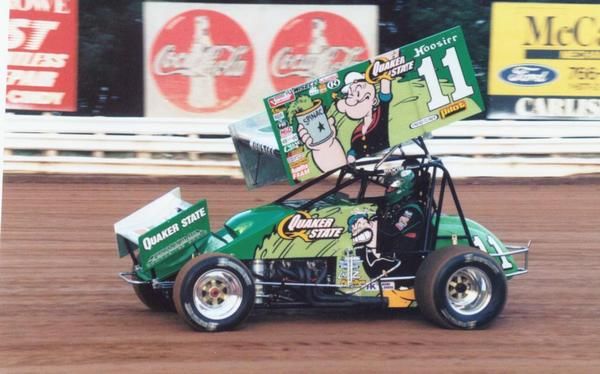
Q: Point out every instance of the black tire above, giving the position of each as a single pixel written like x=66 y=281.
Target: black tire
x=460 y=287
x=214 y=292
x=159 y=300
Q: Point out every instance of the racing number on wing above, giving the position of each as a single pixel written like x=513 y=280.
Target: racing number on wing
x=461 y=88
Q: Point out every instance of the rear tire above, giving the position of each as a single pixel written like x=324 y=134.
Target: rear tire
x=460 y=287
x=214 y=292
x=158 y=300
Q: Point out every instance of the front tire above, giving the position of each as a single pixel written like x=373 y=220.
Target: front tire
x=460 y=287
x=214 y=292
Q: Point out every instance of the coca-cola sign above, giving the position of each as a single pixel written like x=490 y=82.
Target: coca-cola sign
x=312 y=45
x=217 y=61
x=202 y=61
x=42 y=55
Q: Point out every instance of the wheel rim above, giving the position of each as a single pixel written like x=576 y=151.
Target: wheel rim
x=469 y=290
x=218 y=294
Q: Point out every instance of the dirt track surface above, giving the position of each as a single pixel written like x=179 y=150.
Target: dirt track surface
x=64 y=310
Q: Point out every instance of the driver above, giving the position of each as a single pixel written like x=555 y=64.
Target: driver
x=403 y=217
x=400 y=185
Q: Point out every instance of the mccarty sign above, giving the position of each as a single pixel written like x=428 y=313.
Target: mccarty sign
x=544 y=61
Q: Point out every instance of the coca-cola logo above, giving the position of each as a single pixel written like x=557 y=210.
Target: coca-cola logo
x=312 y=45
x=202 y=61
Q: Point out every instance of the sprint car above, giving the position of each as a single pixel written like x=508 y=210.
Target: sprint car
x=377 y=237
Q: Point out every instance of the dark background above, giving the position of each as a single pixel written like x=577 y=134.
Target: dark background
x=111 y=43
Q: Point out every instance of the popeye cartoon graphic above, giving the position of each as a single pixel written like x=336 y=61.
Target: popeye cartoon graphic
x=364 y=240
x=360 y=102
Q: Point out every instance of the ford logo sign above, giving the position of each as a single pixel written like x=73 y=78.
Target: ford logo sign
x=528 y=75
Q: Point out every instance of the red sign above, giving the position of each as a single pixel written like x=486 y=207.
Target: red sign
x=202 y=61
x=42 y=55
x=314 y=44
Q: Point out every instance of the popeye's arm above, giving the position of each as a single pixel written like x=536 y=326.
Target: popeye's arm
x=386 y=86
x=328 y=155
x=351 y=156
x=385 y=91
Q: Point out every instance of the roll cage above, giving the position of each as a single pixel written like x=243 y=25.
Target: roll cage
x=429 y=171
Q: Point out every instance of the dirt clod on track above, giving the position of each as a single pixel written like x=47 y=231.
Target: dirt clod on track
x=63 y=309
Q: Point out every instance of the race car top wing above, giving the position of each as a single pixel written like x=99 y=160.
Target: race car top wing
x=371 y=106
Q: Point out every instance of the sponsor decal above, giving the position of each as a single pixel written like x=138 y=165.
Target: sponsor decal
x=333 y=78
x=262 y=148
x=296 y=155
x=282 y=124
x=528 y=75
x=297 y=158
x=349 y=270
x=423 y=121
x=151 y=241
x=285 y=131
x=202 y=61
x=426 y=48
x=299 y=164
x=299 y=150
x=332 y=85
x=291 y=139
x=300 y=169
x=385 y=286
x=311 y=45
x=291 y=147
x=388 y=67
x=303 y=225
x=284 y=98
x=453 y=108
x=317 y=89
x=175 y=247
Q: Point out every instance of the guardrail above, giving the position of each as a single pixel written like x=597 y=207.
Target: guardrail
x=99 y=145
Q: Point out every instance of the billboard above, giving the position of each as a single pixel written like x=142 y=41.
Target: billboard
x=217 y=61
x=373 y=105
x=42 y=55
x=544 y=61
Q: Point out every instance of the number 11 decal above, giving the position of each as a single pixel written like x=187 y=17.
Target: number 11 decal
x=461 y=88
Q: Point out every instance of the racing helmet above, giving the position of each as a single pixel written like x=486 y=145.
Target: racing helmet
x=399 y=185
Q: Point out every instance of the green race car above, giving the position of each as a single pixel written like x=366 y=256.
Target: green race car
x=377 y=237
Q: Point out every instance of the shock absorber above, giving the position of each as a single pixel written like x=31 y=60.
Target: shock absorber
x=258 y=268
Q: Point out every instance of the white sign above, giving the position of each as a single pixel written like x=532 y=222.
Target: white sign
x=217 y=61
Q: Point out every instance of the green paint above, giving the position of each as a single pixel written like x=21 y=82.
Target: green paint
x=166 y=247
x=441 y=61
x=451 y=225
